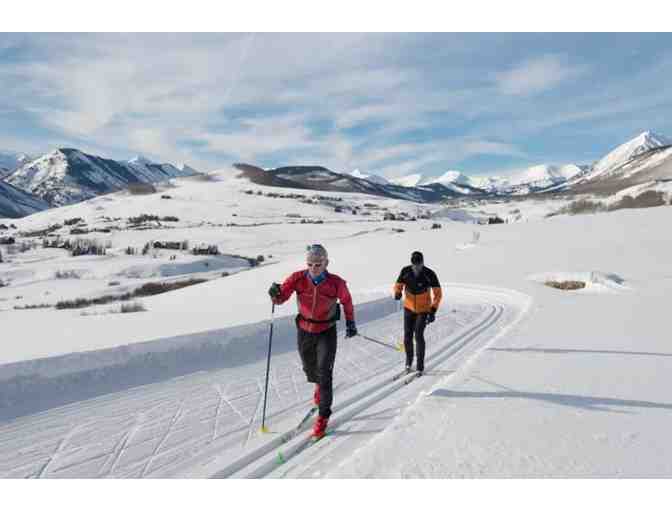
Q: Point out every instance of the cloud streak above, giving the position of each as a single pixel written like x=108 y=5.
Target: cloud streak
x=385 y=103
x=536 y=75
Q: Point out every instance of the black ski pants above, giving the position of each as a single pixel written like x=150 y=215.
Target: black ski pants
x=318 y=354
x=414 y=325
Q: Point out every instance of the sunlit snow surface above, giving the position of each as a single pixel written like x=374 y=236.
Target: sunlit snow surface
x=522 y=380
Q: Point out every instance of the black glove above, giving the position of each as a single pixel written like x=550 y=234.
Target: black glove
x=431 y=316
x=350 y=329
x=397 y=296
x=274 y=291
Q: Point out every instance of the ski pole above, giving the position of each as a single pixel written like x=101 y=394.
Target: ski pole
x=268 y=367
x=377 y=341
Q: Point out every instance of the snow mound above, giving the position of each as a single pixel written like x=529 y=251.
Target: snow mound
x=596 y=282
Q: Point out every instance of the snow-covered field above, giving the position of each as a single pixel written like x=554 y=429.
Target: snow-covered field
x=523 y=380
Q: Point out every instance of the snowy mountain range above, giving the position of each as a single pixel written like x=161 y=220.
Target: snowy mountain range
x=323 y=179
x=632 y=162
x=66 y=176
x=644 y=158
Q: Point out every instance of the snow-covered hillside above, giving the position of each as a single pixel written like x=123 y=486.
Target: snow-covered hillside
x=522 y=380
x=15 y=203
x=641 y=144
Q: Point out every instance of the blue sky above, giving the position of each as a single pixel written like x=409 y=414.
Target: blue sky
x=391 y=104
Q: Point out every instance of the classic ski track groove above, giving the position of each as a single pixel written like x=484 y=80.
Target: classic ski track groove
x=138 y=432
x=362 y=403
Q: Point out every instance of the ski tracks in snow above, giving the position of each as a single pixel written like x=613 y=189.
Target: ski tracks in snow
x=206 y=423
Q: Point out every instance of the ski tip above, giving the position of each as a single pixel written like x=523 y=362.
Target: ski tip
x=264 y=430
x=281 y=458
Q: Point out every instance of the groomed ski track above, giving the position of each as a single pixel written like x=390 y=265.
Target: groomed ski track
x=206 y=423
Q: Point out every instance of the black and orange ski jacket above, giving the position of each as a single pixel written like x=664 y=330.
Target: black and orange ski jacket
x=423 y=292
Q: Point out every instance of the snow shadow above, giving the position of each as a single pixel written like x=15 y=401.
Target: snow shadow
x=33 y=386
x=603 y=404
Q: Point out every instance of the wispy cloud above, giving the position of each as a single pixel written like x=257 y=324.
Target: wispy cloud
x=385 y=103
x=536 y=75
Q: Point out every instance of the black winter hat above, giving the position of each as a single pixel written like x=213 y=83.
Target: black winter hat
x=417 y=258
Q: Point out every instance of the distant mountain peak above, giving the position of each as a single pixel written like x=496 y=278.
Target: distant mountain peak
x=369 y=177
x=66 y=175
x=140 y=160
x=644 y=142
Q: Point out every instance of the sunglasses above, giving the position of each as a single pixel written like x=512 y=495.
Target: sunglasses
x=314 y=264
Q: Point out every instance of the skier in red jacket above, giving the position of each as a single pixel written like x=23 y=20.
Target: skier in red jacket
x=318 y=293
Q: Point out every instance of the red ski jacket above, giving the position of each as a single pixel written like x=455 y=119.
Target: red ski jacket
x=317 y=302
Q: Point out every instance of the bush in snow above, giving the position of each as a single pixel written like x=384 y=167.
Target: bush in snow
x=7 y=240
x=211 y=249
x=1 y=256
x=88 y=247
x=132 y=307
x=43 y=232
x=136 y=220
x=649 y=198
x=566 y=285
x=436 y=225
x=141 y=188
x=581 y=206
x=148 y=289
x=73 y=221
x=67 y=275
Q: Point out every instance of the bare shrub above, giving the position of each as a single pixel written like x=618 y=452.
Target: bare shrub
x=151 y=289
x=143 y=218
x=88 y=247
x=132 y=307
x=566 y=285
x=141 y=188
x=148 y=289
x=69 y=274
x=32 y=307
x=649 y=198
x=581 y=206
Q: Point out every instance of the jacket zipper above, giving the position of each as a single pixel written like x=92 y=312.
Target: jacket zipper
x=312 y=313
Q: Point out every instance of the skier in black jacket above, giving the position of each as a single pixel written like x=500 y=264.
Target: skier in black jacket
x=423 y=295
